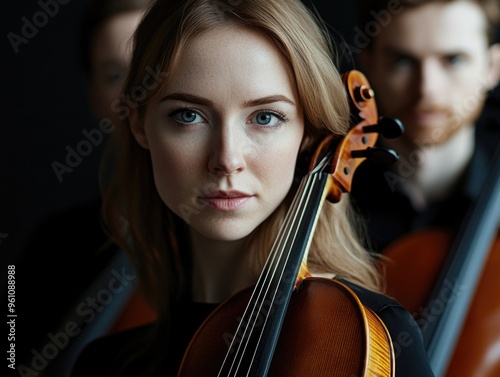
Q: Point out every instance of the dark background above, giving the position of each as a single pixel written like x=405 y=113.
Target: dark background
x=44 y=113
x=47 y=109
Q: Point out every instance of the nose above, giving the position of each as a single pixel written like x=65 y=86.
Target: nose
x=227 y=151
x=431 y=80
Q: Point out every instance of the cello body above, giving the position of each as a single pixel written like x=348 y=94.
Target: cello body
x=411 y=265
x=327 y=332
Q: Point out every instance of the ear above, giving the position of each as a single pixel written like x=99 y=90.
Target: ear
x=494 y=71
x=137 y=128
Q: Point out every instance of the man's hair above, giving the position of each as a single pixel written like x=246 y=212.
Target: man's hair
x=366 y=9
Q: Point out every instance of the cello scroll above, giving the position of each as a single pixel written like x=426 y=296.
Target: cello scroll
x=359 y=143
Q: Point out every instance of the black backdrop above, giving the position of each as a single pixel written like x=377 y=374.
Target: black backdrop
x=47 y=110
x=45 y=113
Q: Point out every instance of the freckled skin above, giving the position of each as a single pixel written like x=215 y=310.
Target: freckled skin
x=242 y=131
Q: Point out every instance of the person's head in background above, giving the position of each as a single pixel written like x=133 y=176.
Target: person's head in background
x=105 y=50
x=431 y=64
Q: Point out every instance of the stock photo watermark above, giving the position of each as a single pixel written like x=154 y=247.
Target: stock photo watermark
x=363 y=37
x=30 y=27
x=85 y=312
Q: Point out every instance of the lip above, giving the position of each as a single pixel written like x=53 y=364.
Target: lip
x=429 y=117
x=226 y=201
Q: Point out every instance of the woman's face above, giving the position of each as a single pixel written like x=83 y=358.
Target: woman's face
x=225 y=134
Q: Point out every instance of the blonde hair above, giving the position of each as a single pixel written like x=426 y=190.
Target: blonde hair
x=134 y=214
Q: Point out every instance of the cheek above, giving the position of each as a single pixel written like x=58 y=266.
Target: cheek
x=468 y=94
x=471 y=87
x=469 y=101
x=173 y=170
x=278 y=166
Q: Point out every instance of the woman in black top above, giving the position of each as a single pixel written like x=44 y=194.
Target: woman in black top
x=223 y=102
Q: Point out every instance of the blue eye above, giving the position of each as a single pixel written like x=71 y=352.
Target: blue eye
x=263 y=118
x=268 y=118
x=401 y=61
x=454 y=59
x=186 y=116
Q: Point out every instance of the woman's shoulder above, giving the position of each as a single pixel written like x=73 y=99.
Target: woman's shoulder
x=377 y=302
x=390 y=311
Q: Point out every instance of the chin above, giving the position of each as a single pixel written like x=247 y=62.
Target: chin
x=224 y=232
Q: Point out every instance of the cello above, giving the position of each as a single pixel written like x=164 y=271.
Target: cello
x=261 y=330
x=448 y=284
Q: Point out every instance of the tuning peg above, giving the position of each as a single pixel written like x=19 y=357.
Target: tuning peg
x=363 y=93
x=377 y=155
x=387 y=127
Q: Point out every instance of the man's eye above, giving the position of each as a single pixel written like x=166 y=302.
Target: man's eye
x=454 y=59
x=402 y=61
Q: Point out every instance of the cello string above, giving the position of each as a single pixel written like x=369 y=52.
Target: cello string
x=261 y=281
x=285 y=253
x=264 y=281
x=284 y=266
x=268 y=274
x=284 y=249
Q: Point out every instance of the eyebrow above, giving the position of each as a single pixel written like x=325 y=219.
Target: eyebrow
x=268 y=99
x=393 y=50
x=187 y=98
x=206 y=102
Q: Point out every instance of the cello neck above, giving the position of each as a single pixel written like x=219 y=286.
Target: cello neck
x=252 y=348
x=449 y=302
